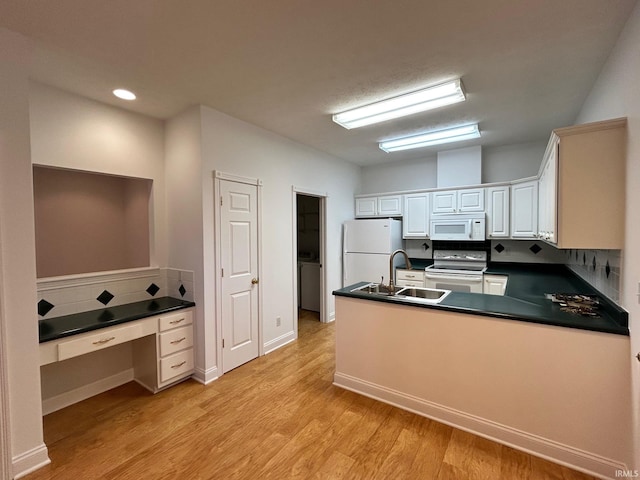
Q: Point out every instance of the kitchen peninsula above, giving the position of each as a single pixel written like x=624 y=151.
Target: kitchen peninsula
x=506 y=368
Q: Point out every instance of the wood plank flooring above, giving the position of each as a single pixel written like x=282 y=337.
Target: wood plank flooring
x=277 y=417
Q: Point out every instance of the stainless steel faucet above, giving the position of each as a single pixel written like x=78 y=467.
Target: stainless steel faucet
x=392 y=271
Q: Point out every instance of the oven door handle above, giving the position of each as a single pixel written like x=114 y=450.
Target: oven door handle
x=468 y=278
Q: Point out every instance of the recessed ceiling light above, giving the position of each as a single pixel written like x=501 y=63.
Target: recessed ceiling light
x=403 y=105
x=124 y=94
x=436 y=137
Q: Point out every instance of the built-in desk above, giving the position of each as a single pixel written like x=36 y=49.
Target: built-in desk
x=161 y=331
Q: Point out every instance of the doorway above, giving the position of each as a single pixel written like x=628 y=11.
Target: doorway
x=309 y=252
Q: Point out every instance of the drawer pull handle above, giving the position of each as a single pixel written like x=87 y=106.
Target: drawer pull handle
x=174 y=322
x=179 y=364
x=104 y=340
x=178 y=341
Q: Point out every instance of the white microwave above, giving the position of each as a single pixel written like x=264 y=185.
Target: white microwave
x=458 y=227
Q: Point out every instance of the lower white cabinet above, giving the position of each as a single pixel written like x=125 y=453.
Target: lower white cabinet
x=409 y=278
x=494 y=284
x=165 y=358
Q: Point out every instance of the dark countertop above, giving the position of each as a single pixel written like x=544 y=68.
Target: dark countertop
x=524 y=299
x=67 y=325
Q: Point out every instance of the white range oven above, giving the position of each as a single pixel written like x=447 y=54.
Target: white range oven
x=456 y=270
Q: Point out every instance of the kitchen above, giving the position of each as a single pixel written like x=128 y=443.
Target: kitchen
x=437 y=319
x=229 y=145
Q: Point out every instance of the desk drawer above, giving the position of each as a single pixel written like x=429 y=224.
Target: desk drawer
x=106 y=337
x=176 y=365
x=176 y=340
x=180 y=319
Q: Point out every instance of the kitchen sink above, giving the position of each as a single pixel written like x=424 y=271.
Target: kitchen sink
x=416 y=294
x=431 y=294
x=373 y=289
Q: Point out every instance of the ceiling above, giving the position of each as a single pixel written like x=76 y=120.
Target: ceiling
x=287 y=65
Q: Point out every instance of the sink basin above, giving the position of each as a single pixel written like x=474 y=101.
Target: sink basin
x=430 y=295
x=373 y=289
x=417 y=294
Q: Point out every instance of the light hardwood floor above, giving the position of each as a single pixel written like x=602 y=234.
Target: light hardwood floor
x=277 y=417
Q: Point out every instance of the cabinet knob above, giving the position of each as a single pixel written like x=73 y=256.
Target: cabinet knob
x=254 y=281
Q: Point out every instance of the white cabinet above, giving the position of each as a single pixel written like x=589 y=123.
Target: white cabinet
x=498 y=212
x=167 y=357
x=582 y=197
x=366 y=207
x=310 y=286
x=458 y=201
x=445 y=202
x=409 y=278
x=494 y=284
x=382 y=206
x=524 y=209
x=547 y=194
x=415 y=221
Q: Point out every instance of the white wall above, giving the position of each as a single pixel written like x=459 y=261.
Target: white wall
x=617 y=94
x=185 y=235
x=232 y=146
x=511 y=162
x=391 y=177
x=499 y=164
x=17 y=265
x=70 y=131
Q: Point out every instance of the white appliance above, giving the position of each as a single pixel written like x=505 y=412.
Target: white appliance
x=458 y=227
x=367 y=245
x=456 y=270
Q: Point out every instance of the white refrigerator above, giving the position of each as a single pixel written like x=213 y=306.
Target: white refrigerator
x=367 y=245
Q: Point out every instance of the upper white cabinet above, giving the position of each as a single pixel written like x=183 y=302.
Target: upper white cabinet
x=524 y=209
x=458 y=201
x=415 y=221
x=390 y=206
x=498 y=212
x=547 y=193
x=366 y=207
x=383 y=206
x=583 y=182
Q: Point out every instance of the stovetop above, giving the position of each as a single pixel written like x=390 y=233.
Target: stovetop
x=458 y=262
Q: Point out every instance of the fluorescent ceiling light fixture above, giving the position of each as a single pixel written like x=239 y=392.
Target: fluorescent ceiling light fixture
x=407 y=104
x=456 y=134
x=124 y=94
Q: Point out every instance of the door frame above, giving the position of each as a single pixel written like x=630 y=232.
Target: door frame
x=6 y=463
x=217 y=229
x=322 y=196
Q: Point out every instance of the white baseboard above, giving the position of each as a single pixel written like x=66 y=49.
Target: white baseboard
x=30 y=461
x=551 y=450
x=281 y=341
x=63 y=400
x=332 y=317
x=205 y=376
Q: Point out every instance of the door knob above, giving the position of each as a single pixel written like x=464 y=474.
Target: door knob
x=254 y=281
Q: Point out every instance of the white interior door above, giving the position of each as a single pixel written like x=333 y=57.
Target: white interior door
x=239 y=262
